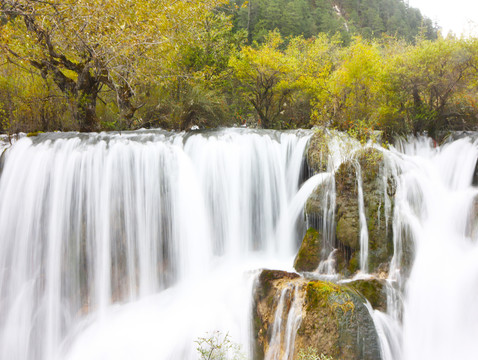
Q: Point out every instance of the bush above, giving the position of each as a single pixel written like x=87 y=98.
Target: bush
x=217 y=346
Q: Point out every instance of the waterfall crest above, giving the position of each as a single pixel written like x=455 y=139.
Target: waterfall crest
x=134 y=245
x=123 y=236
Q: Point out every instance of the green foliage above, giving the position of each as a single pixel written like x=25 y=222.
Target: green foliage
x=217 y=346
x=265 y=76
x=431 y=86
x=312 y=354
x=368 y=18
x=353 y=65
x=87 y=47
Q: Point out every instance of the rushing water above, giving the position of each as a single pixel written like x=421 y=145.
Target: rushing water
x=282 y=341
x=135 y=245
x=438 y=207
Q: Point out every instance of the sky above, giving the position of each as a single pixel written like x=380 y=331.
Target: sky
x=459 y=16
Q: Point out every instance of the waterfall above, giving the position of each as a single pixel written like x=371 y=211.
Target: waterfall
x=133 y=245
x=363 y=224
x=429 y=288
x=289 y=308
x=440 y=320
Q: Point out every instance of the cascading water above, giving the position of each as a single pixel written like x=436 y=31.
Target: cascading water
x=440 y=320
x=430 y=312
x=363 y=225
x=430 y=292
x=287 y=319
x=134 y=245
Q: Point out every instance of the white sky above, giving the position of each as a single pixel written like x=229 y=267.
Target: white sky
x=459 y=16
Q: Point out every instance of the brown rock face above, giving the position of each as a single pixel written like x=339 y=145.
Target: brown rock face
x=376 y=185
x=334 y=319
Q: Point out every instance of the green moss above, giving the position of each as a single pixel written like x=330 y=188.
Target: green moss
x=330 y=295
x=370 y=160
x=354 y=263
x=373 y=290
x=308 y=257
x=34 y=133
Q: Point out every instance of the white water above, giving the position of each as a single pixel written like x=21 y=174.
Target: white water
x=440 y=314
x=289 y=308
x=135 y=245
x=363 y=224
x=431 y=312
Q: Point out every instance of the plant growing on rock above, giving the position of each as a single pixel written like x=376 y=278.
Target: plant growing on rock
x=217 y=346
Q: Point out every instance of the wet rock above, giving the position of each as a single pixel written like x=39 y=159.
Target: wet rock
x=474 y=179
x=334 y=319
x=268 y=288
x=347 y=229
x=370 y=163
x=308 y=257
x=374 y=290
x=472 y=223
x=376 y=186
x=318 y=151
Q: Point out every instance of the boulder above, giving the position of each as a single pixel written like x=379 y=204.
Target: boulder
x=380 y=232
x=335 y=320
x=369 y=163
x=267 y=290
x=374 y=290
x=308 y=257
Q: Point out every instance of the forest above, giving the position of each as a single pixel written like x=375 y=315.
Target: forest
x=356 y=66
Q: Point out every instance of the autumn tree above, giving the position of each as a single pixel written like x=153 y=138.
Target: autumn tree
x=86 y=47
x=352 y=93
x=264 y=76
x=432 y=85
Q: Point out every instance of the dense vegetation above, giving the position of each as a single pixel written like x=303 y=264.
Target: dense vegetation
x=368 y=18
x=353 y=65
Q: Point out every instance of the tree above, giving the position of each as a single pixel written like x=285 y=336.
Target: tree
x=263 y=74
x=353 y=91
x=433 y=84
x=88 y=46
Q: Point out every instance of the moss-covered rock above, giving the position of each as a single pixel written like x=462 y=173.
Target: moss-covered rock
x=379 y=231
x=308 y=257
x=334 y=319
x=318 y=151
x=370 y=163
x=337 y=323
x=374 y=290
x=376 y=186
x=347 y=229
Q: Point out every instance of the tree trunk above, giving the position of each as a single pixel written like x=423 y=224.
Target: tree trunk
x=86 y=111
x=87 y=88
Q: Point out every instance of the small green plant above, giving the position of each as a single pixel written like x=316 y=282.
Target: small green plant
x=216 y=346
x=312 y=354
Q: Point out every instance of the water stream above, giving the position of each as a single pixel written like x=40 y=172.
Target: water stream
x=134 y=245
